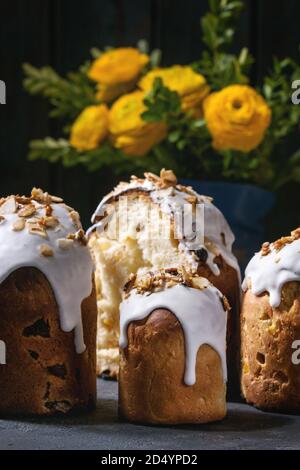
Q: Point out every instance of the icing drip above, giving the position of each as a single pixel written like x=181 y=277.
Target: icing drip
x=270 y=272
x=200 y=313
x=218 y=237
x=66 y=262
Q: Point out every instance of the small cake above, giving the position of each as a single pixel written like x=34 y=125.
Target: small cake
x=48 y=312
x=137 y=228
x=172 y=349
x=270 y=326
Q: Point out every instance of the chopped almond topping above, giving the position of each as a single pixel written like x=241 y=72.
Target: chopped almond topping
x=296 y=233
x=38 y=195
x=27 y=211
x=192 y=199
x=56 y=199
x=168 y=178
x=281 y=242
x=151 y=177
x=165 y=180
x=265 y=249
x=155 y=281
x=36 y=214
x=18 y=225
x=37 y=230
x=46 y=250
x=136 y=179
x=49 y=222
x=75 y=219
x=71 y=236
x=80 y=237
x=185 y=189
x=185 y=276
x=65 y=243
x=23 y=200
x=9 y=206
x=48 y=210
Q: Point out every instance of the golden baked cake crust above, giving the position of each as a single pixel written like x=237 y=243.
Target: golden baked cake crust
x=151 y=388
x=270 y=326
x=269 y=378
x=43 y=374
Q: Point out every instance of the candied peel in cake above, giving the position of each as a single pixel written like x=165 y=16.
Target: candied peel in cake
x=280 y=243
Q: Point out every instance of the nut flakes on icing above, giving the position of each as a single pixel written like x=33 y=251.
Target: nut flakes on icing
x=154 y=281
x=35 y=214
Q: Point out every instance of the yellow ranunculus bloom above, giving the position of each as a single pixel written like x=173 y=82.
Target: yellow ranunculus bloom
x=107 y=93
x=191 y=86
x=118 y=65
x=237 y=118
x=90 y=128
x=128 y=130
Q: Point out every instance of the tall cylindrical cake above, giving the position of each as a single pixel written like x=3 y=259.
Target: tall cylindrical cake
x=173 y=349
x=144 y=225
x=48 y=308
x=270 y=326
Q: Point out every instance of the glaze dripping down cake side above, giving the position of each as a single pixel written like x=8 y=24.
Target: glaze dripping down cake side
x=172 y=349
x=47 y=307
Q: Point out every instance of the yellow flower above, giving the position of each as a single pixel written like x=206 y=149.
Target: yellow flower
x=128 y=130
x=117 y=71
x=90 y=128
x=191 y=86
x=237 y=118
x=107 y=93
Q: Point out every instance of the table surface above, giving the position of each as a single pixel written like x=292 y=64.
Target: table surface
x=244 y=428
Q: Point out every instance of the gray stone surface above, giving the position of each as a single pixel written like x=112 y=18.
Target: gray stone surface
x=244 y=428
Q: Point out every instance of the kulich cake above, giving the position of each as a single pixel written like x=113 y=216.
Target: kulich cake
x=270 y=326
x=172 y=349
x=48 y=313
x=142 y=243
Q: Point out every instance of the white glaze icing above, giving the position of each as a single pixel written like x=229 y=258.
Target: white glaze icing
x=200 y=313
x=218 y=237
x=69 y=270
x=270 y=272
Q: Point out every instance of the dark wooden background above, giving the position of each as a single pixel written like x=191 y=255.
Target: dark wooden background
x=61 y=33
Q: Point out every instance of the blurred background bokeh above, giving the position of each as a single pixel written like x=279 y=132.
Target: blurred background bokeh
x=61 y=33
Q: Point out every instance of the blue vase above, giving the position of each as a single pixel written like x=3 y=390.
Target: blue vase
x=245 y=207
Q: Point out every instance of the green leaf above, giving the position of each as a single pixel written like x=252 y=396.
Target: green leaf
x=174 y=136
x=68 y=96
x=155 y=58
x=95 y=52
x=143 y=46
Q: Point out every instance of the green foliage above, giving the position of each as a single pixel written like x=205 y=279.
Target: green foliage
x=68 y=97
x=284 y=127
x=162 y=103
x=55 y=150
x=220 y=67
